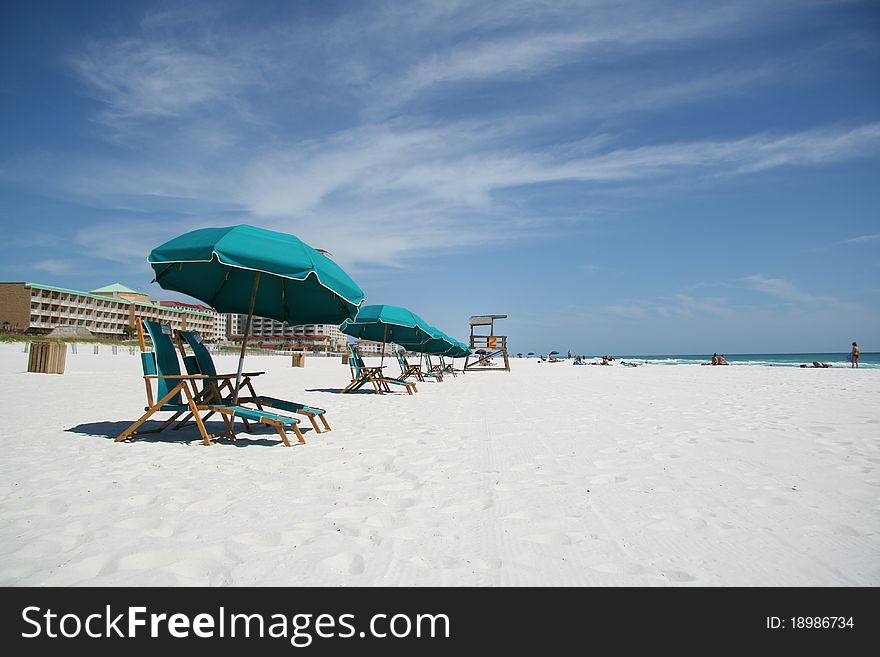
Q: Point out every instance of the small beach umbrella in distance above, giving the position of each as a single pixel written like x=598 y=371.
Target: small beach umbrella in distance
x=554 y=353
x=531 y=353
x=245 y=269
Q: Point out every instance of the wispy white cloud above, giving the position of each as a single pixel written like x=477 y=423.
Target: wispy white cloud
x=55 y=266
x=415 y=188
x=204 y=117
x=673 y=305
x=862 y=239
x=782 y=289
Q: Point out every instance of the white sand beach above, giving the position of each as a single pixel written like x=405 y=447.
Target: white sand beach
x=548 y=475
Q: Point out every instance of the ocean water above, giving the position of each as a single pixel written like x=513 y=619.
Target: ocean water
x=871 y=360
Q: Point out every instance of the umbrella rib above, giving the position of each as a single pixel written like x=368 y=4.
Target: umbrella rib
x=164 y=269
x=220 y=289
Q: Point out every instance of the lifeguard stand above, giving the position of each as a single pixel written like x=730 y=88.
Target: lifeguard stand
x=494 y=345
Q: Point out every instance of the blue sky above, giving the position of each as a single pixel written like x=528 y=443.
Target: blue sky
x=640 y=177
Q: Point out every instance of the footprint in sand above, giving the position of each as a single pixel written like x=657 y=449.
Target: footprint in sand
x=54 y=507
x=469 y=506
x=209 y=507
x=346 y=513
x=676 y=525
x=409 y=533
x=608 y=479
x=620 y=568
x=259 y=539
x=344 y=563
x=678 y=576
x=764 y=502
x=520 y=515
x=153 y=527
x=555 y=538
x=140 y=500
x=835 y=530
x=822 y=429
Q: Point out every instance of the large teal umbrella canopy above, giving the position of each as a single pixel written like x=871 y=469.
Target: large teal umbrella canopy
x=297 y=284
x=386 y=323
x=244 y=269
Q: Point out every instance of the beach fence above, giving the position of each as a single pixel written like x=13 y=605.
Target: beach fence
x=47 y=357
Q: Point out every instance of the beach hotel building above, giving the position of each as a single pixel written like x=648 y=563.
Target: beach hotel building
x=37 y=309
x=372 y=348
x=312 y=337
x=217 y=333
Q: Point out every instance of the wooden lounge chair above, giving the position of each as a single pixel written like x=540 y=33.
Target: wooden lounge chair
x=161 y=365
x=407 y=370
x=404 y=365
x=449 y=367
x=201 y=362
x=361 y=375
x=433 y=370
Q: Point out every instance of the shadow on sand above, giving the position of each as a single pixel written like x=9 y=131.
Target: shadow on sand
x=359 y=391
x=259 y=436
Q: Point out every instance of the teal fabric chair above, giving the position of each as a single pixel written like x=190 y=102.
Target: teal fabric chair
x=176 y=393
x=405 y=363
x=361 y=375
x=407 y=370
x=433 y=370
x=448 y=367
x=201 y=362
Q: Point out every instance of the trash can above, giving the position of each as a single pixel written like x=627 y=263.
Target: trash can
x=47 y=357
x=345 y=359
x=298 y=360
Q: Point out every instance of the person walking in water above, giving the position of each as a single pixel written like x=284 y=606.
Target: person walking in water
x=854 y=355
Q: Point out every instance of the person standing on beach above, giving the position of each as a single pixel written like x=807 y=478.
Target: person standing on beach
x=854 y=355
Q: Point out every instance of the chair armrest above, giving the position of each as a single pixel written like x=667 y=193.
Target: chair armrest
x=176 y=376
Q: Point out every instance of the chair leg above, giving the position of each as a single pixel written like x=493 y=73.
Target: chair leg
x=299 y=436
x=311 y=417
x=206 y=437
x=161 y=427
x=152 y=409
x=324 y=422
x=230 y=426
x=280 y=429
x=355 y=384
x=186 y=420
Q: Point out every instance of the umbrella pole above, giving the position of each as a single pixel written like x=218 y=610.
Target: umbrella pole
x=384 y=337
x=247 y=330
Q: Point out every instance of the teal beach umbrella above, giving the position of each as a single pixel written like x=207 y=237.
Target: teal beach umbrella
x=458 y=350
x=244 y=269
x=437 y=343
x=387 y=323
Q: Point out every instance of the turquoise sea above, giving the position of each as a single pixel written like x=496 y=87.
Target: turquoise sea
x=871 y=360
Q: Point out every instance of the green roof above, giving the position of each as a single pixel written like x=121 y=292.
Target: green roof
x=116 y=287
